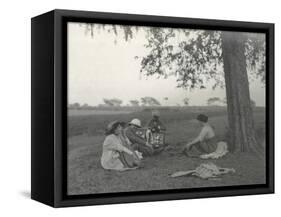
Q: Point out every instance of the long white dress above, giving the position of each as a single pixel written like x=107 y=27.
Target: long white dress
x=110 y=160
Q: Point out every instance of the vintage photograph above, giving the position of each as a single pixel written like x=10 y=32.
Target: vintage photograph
x=157 y=108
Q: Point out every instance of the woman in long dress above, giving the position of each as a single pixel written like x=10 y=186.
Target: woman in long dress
x=113 y=148
x=205 y=142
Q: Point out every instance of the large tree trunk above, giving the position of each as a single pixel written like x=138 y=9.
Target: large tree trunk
x=240 y=114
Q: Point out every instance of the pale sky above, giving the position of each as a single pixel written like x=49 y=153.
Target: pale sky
x=99 y=68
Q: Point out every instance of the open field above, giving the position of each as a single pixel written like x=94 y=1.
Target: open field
x=93 y=122
x=95 y=112
x=86 y=135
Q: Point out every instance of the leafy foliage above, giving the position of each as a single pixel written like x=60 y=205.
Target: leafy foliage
x=213 y=101
x=113 y=102
x=194 y=57
x=255 y=55
x=186 y=101
x=134 y=102
x=74 y=106
x=127 y=31
x=149 y=101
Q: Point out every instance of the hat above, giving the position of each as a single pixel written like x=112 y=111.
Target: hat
x=136 y=122
x=202 y=118
x=111 y=127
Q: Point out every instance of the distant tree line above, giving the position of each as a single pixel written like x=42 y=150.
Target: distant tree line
x=216 y=101
x=146 y=102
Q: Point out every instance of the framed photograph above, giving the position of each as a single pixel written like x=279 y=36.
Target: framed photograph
x=134 y=108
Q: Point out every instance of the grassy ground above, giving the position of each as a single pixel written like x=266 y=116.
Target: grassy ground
x=85 y=175
x=93 y=122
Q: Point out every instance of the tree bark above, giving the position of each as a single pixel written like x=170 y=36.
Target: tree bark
x=240 y=114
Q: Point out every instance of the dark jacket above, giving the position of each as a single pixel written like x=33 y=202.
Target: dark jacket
x=156 y=125
x=135 y=135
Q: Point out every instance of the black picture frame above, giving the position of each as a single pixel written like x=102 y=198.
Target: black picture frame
x=49 y=108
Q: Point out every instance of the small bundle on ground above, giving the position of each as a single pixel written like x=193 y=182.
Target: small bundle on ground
x=204 y=171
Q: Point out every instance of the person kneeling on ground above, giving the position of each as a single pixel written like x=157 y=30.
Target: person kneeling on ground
x=137 y=137
x=205 y=142
x=113 y=149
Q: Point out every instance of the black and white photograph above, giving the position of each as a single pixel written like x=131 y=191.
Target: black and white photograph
x=158 y=108
x=140 y=108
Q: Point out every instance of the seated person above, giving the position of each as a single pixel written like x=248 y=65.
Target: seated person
x=113 y=148
x=205 y=142
x=155 y=125
x=137 y=137
x=156 y=133
x=129 y=160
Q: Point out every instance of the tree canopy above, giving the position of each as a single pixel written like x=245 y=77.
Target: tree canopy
x=193 y=56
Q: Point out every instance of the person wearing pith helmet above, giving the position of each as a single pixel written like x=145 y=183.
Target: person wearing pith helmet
x=137 y=136
x=135 y=122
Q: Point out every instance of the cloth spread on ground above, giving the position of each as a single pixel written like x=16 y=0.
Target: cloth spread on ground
x=220 y=151
x=204 y=171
